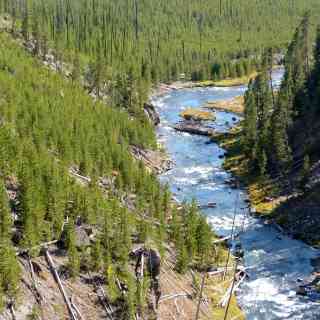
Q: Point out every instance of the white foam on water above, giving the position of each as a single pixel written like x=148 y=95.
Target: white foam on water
x=167 y=128
x=202 y=172
x=273 y=260
x=184 y=181
x=209 y=187
x=225 y=222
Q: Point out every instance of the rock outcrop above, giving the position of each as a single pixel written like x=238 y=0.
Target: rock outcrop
x=151 y=113
x=194 y=127
x=157 y=161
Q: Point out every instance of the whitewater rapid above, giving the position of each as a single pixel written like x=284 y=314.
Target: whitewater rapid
x=274 y=261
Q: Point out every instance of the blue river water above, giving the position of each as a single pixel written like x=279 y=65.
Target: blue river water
x=273 y=260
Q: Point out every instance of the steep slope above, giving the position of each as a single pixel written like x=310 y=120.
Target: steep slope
x=71 y=188
x=278 y=150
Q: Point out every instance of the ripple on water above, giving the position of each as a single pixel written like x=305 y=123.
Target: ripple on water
x=274 y=261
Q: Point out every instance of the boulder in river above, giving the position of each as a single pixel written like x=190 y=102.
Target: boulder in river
x=194 y=127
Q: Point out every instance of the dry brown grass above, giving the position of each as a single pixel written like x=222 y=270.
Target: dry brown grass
x=235 y=105
x=197 y=114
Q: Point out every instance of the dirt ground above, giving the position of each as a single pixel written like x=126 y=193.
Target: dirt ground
x=179 y=298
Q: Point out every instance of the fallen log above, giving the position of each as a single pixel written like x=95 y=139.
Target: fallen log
x=102 y=298
x=177 y=307
x=230 y=290
x=207 y=206
x=215 y=273
x=174 y=296
x=76 y=308
x=38 y=295
x=222 y=240
x=60 y=285
x=85 y=179
x=40 y=246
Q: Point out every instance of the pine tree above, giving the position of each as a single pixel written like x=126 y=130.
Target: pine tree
x=76 y=68
x=9 y=270
x=113 y=290
x=250 y=133
x=282 y=151
x=204 y=242
x=130 y=297
x=2 y=299
x=305 y=172
x=96 y=256
x=73 y=254
x=25 y=20
x=191 y=221
x=183 y=258
x=5 y=215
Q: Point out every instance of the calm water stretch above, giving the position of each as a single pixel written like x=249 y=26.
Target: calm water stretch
x=274 y=261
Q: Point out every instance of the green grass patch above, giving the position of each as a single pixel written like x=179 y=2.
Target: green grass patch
x=233 y=82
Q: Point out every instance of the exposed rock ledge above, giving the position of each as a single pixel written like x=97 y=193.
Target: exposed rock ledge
x=151 y=113
x=156 y=161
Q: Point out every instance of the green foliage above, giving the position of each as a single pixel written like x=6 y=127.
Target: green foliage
x=51 y=129
x=281 y=128
x=113 y=291
x=73 y=254
x=196 y=38
x=204 y=242
x=193 y=238
x=5 y=215
x=182 y=259
x=9 y=270
x=96 y=256
x=143 y=286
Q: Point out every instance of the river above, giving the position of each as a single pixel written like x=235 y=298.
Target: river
x=274 y=260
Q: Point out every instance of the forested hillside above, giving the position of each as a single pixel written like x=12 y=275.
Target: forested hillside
x=159 y=40
x=281 y=131
x=67 y=173
x=66 y=164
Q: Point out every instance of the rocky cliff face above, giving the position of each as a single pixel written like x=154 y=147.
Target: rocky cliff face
x=151 y=113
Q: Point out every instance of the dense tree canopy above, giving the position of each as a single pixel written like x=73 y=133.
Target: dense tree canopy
x=281 y=128
x=51 y=130
x=160 y=39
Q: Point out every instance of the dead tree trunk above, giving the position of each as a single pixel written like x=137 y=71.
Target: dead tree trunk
x=102 y=297
x=34 y=282
x=61 y=288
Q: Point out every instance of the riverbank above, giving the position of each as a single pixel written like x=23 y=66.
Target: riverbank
x=230 y=82
x=215 y=288
x=165 y=88
x=236 y=163
x=270 y=256
x=293 y=214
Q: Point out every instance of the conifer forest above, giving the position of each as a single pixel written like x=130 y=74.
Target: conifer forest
x=105 y=211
